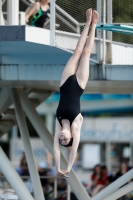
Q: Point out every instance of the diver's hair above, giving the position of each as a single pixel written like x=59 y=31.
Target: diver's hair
x=69 y=144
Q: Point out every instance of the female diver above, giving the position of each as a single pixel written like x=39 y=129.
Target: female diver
x=38 y=11
x=73 y=81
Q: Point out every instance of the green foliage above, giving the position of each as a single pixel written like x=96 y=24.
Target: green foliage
x=123 y=13
x=77 y=8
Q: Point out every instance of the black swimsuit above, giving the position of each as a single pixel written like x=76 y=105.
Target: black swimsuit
x=69 y=104
x=39 y=18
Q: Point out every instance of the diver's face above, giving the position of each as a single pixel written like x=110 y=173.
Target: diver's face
x=65 y=137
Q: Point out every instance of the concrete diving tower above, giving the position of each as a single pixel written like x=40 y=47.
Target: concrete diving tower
x=30 y=71
x=28 y=60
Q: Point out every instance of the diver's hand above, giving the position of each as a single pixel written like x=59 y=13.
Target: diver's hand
x=63 y=173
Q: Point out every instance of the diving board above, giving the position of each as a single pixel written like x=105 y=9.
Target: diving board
x=119 y=28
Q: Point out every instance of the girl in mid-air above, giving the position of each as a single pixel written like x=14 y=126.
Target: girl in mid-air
x=73 y=82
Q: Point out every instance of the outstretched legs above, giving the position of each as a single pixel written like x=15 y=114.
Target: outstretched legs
x=72 y=64
x=82 y=72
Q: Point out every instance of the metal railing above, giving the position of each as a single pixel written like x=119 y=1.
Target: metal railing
x=4 y=185
x=68 y=20
x=68 y=16
x=21 y=18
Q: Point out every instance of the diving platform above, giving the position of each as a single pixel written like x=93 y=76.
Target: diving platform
x=28 y=60
x=118 y=28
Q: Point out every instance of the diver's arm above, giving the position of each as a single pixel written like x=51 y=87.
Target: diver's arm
x=76 y=139
x=32 y=10
x=56 y=145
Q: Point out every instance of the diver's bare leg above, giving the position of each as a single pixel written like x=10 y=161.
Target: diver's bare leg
x=72 y=64
x=83 y=68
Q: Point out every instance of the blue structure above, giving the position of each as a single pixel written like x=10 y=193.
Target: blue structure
x=93 y=97
x=108 y=103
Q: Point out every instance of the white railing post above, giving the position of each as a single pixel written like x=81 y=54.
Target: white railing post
x=99 y=20
x=1 y=14
x=22 y=18
x=99 y=32
x=104 y=39
x=78 y=29
x=13 y=12
x=109 y=17
x=109 y=33
x=52 y=22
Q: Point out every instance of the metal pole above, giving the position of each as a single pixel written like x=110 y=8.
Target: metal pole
x=68 y=192
x=26 y=141
x=55 y=188
x=114 y=186
x=1 y=14
x=78 y=29
x=109 y=33
x=99 y=32
x=52 y=22
x=13 y=12
x=13 y=178
x=22 y=18
x=47 y=138
x=109 y=17
x=4 y=95
x=104 y=39
x=119 y=193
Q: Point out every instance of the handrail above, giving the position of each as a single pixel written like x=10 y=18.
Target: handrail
x=66 y=14
x=3 y=2
x=28 y=3
x=43 y=177
x=66 y=22
x=68 y=190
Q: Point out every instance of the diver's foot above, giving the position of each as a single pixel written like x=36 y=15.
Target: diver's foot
x=95 y=17
x=89 y=15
